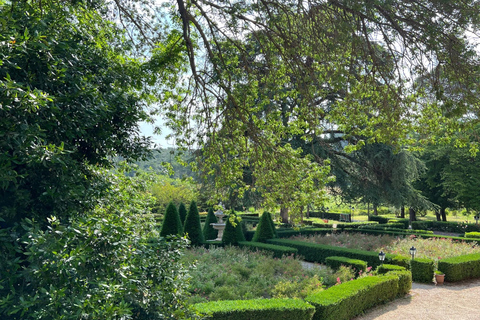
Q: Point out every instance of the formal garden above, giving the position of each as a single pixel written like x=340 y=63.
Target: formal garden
x=224 y=159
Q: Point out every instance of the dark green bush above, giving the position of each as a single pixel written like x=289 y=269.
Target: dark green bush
x=182 y=212
x=233 y=230
x=404 y=221
x=422 y=270
x=472 y=235
x=400 y=261
x=384 y=268
x=278 y=251
x=272 y=223
x=329 y=215
x=260 y=309
x=264 y=229
x=349 y=299
x=446 y=226
x=193 y=227
x=379 y=219
x=404 y=281
x=336 y=262
x=209 y=233
x=461 y=267
x=171 y=222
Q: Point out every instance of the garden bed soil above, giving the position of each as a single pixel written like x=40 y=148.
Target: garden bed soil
x=451 y=301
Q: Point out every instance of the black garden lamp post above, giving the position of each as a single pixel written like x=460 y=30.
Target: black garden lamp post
x=381 y=256
x=413 y=251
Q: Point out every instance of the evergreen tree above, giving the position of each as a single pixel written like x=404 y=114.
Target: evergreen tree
x=171 y=222
x=193 y=227
x=182 y=211
x=209 y=233
x=231 y=235
x=264 y=229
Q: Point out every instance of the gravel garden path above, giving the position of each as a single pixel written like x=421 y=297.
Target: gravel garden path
x=455 y=301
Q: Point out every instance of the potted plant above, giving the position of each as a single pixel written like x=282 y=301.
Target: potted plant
x=439 y=277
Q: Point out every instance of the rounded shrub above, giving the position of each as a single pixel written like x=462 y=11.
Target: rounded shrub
x=209 y=233
x=264 y=229
x=171 y=222
x=182 y=212
x=193 y=227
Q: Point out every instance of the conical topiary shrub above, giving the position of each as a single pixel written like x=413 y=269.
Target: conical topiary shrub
x=193 y=227
x=230 y=234
x=208 y=232
x=264 y=229
x=239 y=227
x=270 y=218
x=171 y=222
x=182 y=212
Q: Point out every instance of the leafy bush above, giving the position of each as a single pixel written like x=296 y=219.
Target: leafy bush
x=446 y=226
x=171 y=222
x=209 y=233
x=106 y=264
x=461 y=267
x=335 y=263
x=264 y=309
x=182 y=212
x=278 y=251
x=422 y=270
x=298 y=289
x=193 y=227
x=404 y=221
x=346 y=300
x=264 y=229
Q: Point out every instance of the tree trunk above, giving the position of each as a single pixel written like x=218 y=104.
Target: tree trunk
x=284 y=214
x=443 y=213
x=375 y=212
x=301 y=214
x=437 y=214
x=368 y=208
x=402 y=212
x=412 y=215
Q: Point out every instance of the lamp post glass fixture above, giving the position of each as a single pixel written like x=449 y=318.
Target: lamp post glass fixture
x=381 y=256
x=413 y=251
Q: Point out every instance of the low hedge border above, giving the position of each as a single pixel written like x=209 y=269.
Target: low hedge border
x=474 y=234
x=258 y=309
x=404 y=281
x=461 y=267
x=447 y=226
x=404 y=233
x=318 y=252
x=422 y=270
x=336 y=262
x=384 y=268
x=278 y=251
x=379 y=219
x=349 y=299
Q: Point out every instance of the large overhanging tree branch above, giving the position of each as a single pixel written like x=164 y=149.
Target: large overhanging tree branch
x=261 y=69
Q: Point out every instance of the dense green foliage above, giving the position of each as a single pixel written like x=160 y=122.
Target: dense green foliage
x=100 y=265
x=182 y=212
x=261 y=309
x=171 y=222
x=384 y=268
x=233 y=232
x=346 y=300
x=264 y=229
x=404 y=281
x=209 y=233
x=472 y=234
x=454 y=227
x=167 y=190
x=193 y=227
x=422 y=270
x=358 y=266
x=461 y=267
x=278 y=251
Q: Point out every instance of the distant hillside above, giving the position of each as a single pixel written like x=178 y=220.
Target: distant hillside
x=169 y=156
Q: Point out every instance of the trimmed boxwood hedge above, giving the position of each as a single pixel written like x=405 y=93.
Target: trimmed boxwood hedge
x=472 y=235
x=258 y=309
x=318 y=252
x=349 y=299
x=404 y=281
x=447 y=226
x=461 y=267
x=336 y=262
x=278 y=251
x=379 y=219
x=404 y=221
x=422 y=270
x=384 y=268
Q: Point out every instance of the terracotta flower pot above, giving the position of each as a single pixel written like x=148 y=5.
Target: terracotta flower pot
x=439 y=279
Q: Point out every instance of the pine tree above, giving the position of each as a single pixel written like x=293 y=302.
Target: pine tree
x=171 y=222
x=182 y=211
x=231 y=236
x=193 y=227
